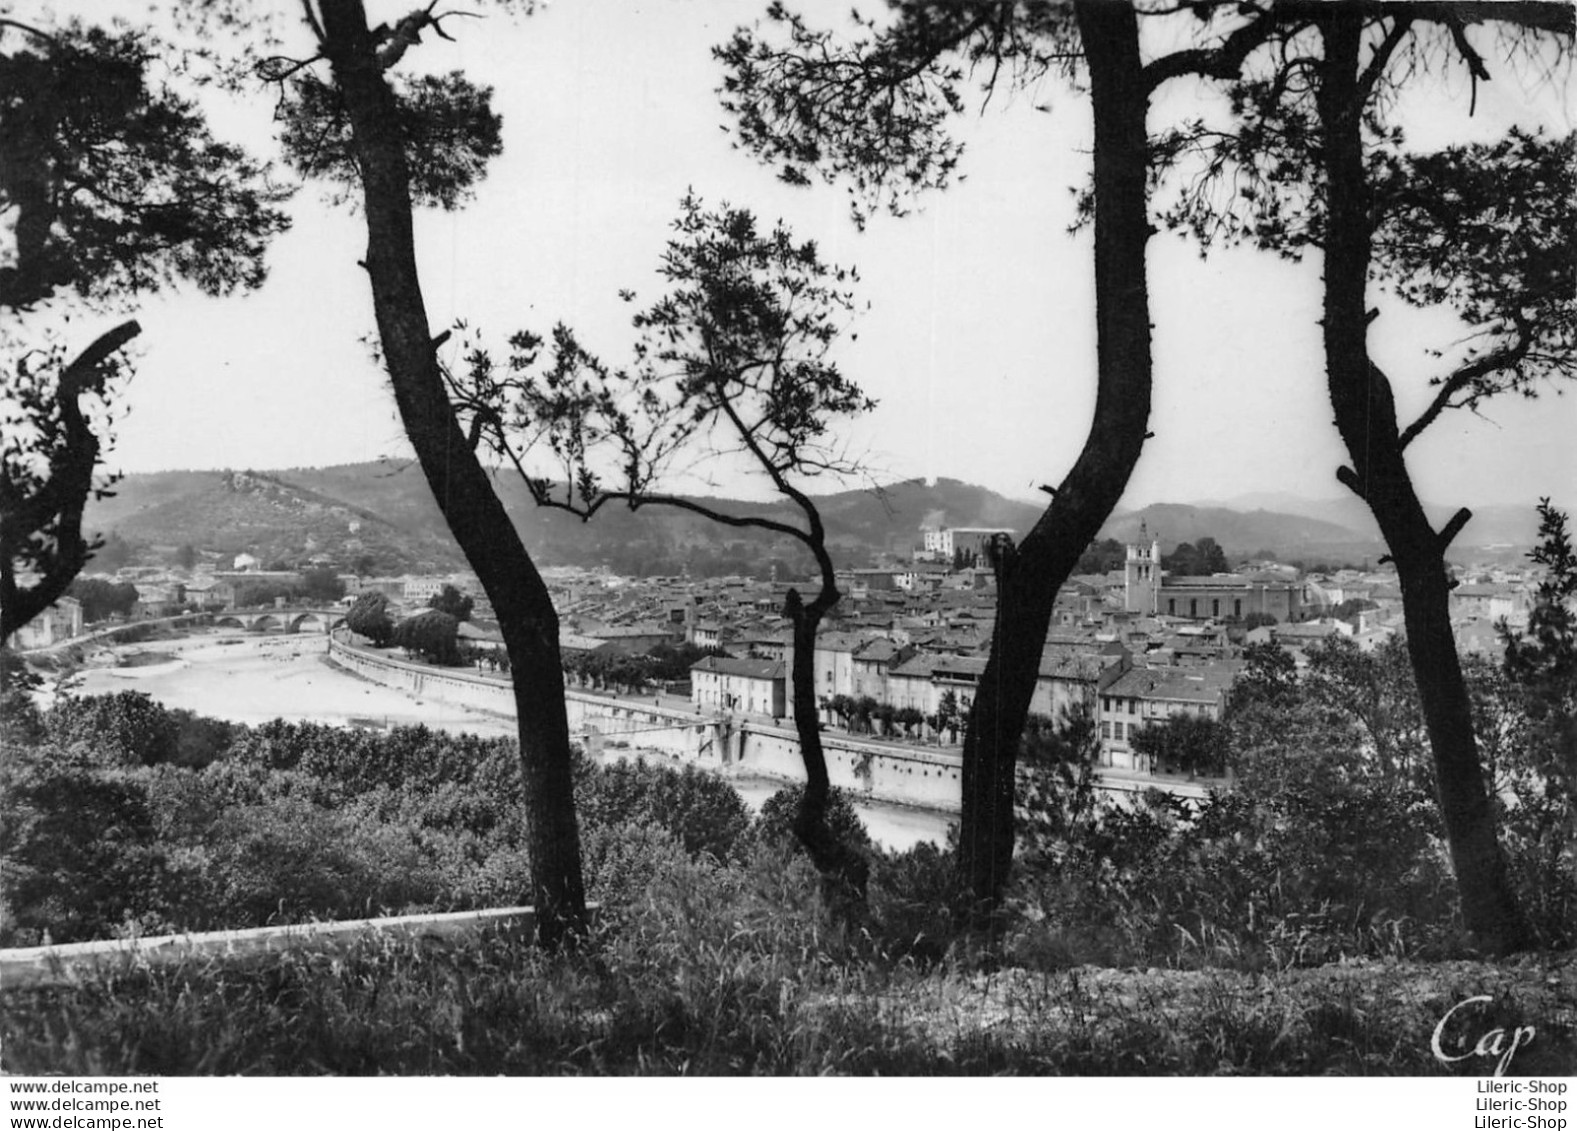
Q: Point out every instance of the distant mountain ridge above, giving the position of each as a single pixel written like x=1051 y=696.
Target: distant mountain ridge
x=1493 y=524
x=383 y=515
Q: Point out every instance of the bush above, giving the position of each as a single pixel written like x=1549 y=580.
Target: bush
x=452 y=778
x=621 y=862
x=703 y=812
x=79 y=851
x=1245 y=880
x=289 y=861
x=917 y=902
x=775 y=823
x=125 y=729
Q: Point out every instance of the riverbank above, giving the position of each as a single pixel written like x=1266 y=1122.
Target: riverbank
x=252 y=679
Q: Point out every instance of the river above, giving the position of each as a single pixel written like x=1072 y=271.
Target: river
x=252 y=678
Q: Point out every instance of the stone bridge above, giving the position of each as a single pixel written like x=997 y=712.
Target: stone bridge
x=290 y=619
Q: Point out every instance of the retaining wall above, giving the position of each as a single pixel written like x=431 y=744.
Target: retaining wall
x=72 y=962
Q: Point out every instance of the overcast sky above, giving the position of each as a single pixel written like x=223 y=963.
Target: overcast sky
x=979 y=341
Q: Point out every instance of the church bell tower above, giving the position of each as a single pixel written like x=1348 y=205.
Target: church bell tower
x=1142 y=575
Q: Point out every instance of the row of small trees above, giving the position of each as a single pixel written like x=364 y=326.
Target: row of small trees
x=663 y=664
x=102 y=599
x=863 y=714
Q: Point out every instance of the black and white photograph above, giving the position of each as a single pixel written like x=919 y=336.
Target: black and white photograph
x=761 y=538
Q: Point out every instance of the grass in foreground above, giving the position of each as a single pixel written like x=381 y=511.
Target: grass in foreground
x=711 y=971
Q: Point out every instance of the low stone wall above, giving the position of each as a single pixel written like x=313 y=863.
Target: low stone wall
x=70 y=963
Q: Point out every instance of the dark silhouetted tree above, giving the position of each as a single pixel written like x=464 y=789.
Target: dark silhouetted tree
x=397 y=141
x=1485 y=230
x=450 y=600
x=734 y=359
x=113 y=187
x=872 y=110
x=1542 y=662
x=322 y=584
x=102 y=599
x=1102 y=557
x=369 y=617
x=432 y=635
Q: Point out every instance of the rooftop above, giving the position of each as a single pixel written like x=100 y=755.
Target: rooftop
x=749 y=669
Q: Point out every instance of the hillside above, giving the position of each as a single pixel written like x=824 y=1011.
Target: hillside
x=225 y=513
x=1246 y=532
x=383 y=516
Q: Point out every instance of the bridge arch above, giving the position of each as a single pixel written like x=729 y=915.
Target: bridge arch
x=319 y=620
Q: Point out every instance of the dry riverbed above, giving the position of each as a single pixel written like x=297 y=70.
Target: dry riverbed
x=255 y=678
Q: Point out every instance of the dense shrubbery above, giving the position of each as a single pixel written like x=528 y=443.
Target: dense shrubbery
x=1241 y=880
x=80 y=851
x=1328 y=845
x=124 y=816
x=700 y=811
x=130 y=729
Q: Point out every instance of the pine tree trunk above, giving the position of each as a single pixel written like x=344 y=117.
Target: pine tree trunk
x=836 y=861
x=1366 y=419
x=461 y=486
x=1028 y=581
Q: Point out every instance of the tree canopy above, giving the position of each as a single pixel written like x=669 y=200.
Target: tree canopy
x=450 y=600
x=101 y=599
x=117 y=184
x=369 y=617
x=447 y=124
x=431 y=634
x=113 y=186
x=1190 y=560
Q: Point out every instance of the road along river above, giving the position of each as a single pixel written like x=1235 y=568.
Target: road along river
x=251 y=678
